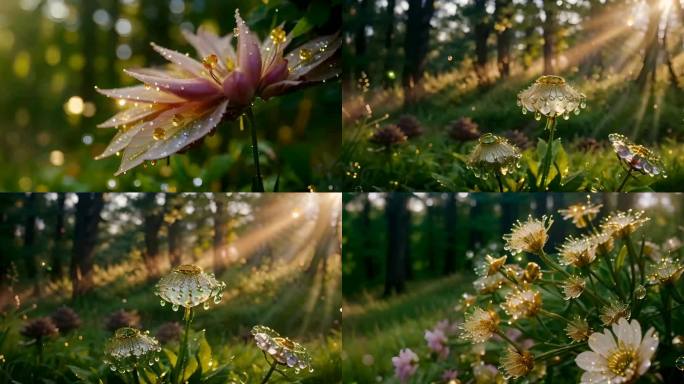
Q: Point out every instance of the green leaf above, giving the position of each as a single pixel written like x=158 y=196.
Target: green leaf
x=620 y=260
x=217 y=167
x=444 y=181
x=190 y=368
x=171 y=356
x=303 y=26
x=80 y=373
x=204 y=354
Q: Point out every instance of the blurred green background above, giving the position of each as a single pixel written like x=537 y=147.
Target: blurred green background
x=53 y=53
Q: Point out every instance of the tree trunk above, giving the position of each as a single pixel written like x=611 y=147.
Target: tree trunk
x=429 y=232
x=220 y=230
x=152 y=222
x=650 y=44
x=360 y=42
x=389 y=38
x=58 y=246
x=550 y=30
x=416 y=45
x=88 y=35
x=504 y=36
x=174 y=239
x=668 y=58
x=324 y=233
x=32 y=270
x=481 y=31
x=113 y=43
x=88 y=211
x=396 y=212
x=368 y=262
x=509 y=212
x=450 y=222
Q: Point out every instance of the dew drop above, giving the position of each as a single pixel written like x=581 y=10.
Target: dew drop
x=583 y=104
x=218 y=298
x=162 y=303
x=566 y=116
x=174 y=307
x=205 y=305
x=524 y=111
x=537 y=116
x=640 y=292
x=679 y=363
x=156 y=358
x=113 y=368
x=151 y=363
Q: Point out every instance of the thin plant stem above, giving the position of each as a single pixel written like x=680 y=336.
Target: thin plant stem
x=177 y=373
x=546 y=164
x=552 y=264
x=632 y=260
x=511 y=342
x=552 y=314
x=136 y=376
x=498 y=179
x=270 y=372
x=557 y=351
x=667 y=313
x=624 y=181
x=258 y=182
x=616 y=276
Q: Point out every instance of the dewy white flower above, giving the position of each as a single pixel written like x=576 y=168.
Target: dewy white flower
x=618 y=357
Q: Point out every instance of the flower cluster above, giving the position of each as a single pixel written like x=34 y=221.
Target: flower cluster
x=283 y=350
x=584 y=309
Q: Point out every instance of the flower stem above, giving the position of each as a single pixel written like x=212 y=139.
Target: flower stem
x=624 y=181
x=268 y=375
x=258 y=182
x=546 y=164
x=557 y=351
x=551 y=264
x=178 y=370
x=552 y=314
x=632 y=260
x=616 y=276
x=667 y=313
x=498 y=179
x=511 y=342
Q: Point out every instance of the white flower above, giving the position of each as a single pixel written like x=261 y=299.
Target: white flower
x=618 y=357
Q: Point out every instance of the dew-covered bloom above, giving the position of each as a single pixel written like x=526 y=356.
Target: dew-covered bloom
x=464 y=129
x=666 y=271
x=490 y=265
x=581 y=214
x=604 y=242
x=578 y=329
x=410 y=126
x=122 y=318
x=623 y=223
x=522 y=303
x=529 y=236
x=405 y=365
x=489 y=284
x=517 y=364
x=577 y=252
x=39 y=329
x=614 y=311
x=437 y=342
x=532 y=272
x=618 y=357
x=636 y=157
x=179 y=104
x=551 y=96
x=573 y=287
x=283 y=350
x=66 y=319
x=388 y=135
x=130 y=348
x=493 y=154
x=189 y=286
x=168 y=332
x=480 y=325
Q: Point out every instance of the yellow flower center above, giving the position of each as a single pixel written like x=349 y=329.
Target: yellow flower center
x=210 y=61
x=189 y=269
x=623 y=362
x=284 y=342
x=551 y=80
x=278 y=35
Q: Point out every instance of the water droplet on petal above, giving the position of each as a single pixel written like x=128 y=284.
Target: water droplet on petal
x=679 y=363
x=537 y=116
x=162 y=303
x=640 y=292
x=205 y=305
x=174 y=307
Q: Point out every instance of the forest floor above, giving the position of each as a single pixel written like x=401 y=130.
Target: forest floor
x=435 y=161
x=374 y=330
x=298 y=305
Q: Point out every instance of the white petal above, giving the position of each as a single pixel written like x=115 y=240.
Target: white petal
x=648 y=345
x=590 y=361
x=186 y=63
x=594 y=378
x=636 y=334
x=623 y=331
x=602 y=343
x=122 y=138
x=190 y=88
x=322 y=49
x=141 y=93
x=207 y=43
x=130 y=115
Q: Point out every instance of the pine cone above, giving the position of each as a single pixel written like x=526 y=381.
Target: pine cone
x=518 y=138
x=66 y=319
x=464 y=129
x=39 y=328
x=388 y=136
x=169 y=332
x=122 y=318
x=410 y=126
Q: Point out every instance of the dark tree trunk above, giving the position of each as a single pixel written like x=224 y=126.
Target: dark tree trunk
x=158 y=18
x=416 y=45
x=30 y=208
x=450 y=223
x=113 y=43
x=389 y=38
x=396 y=212
x=504 y=36
x=429 y=232
x=88 y=211
x=509 y=212
x=174 y=239
x=668 y=58
x=408 y=260
x=58 y=245
x=88 y=35
x=152 y=222
x=650 y=44
x=368 y=262
x=550 y=31
x=360 y=42
x=220 y=230
x=481 y=30
x=325 y=235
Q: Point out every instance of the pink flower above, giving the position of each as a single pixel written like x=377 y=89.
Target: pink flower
x=405 y=365
x=183 y=102
x=436 y=340
x=450 y=374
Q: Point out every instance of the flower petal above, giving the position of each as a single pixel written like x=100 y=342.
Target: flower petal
x=594 y=378
x=186 y=63
x=207 y=43
x=648 y=346
x=321 y=49
x=122 y=138
x=130 y=115
x=623 y=331
x=602 y=343
x=278 y=88
x=249 y=53
x=636 y=333
x=195 y=88
x=590 y=361
x=141 y=93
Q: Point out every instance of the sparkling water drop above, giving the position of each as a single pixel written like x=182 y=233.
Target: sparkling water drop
x=174 y=307
x=156 y=358
x=583 y=104
x=524 y=111
x=537 y=116
x=566 y=116
x=151 y=363
x=577 y=111
x=205 y=305
x=162 y=302
x=218 y=298
x=113 y=368
x=640 y=292
x=679 y=363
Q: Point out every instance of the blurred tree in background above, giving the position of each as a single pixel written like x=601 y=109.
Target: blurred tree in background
x=53 y=53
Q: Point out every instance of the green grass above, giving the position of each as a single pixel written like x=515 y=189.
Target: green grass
x=380 y=328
